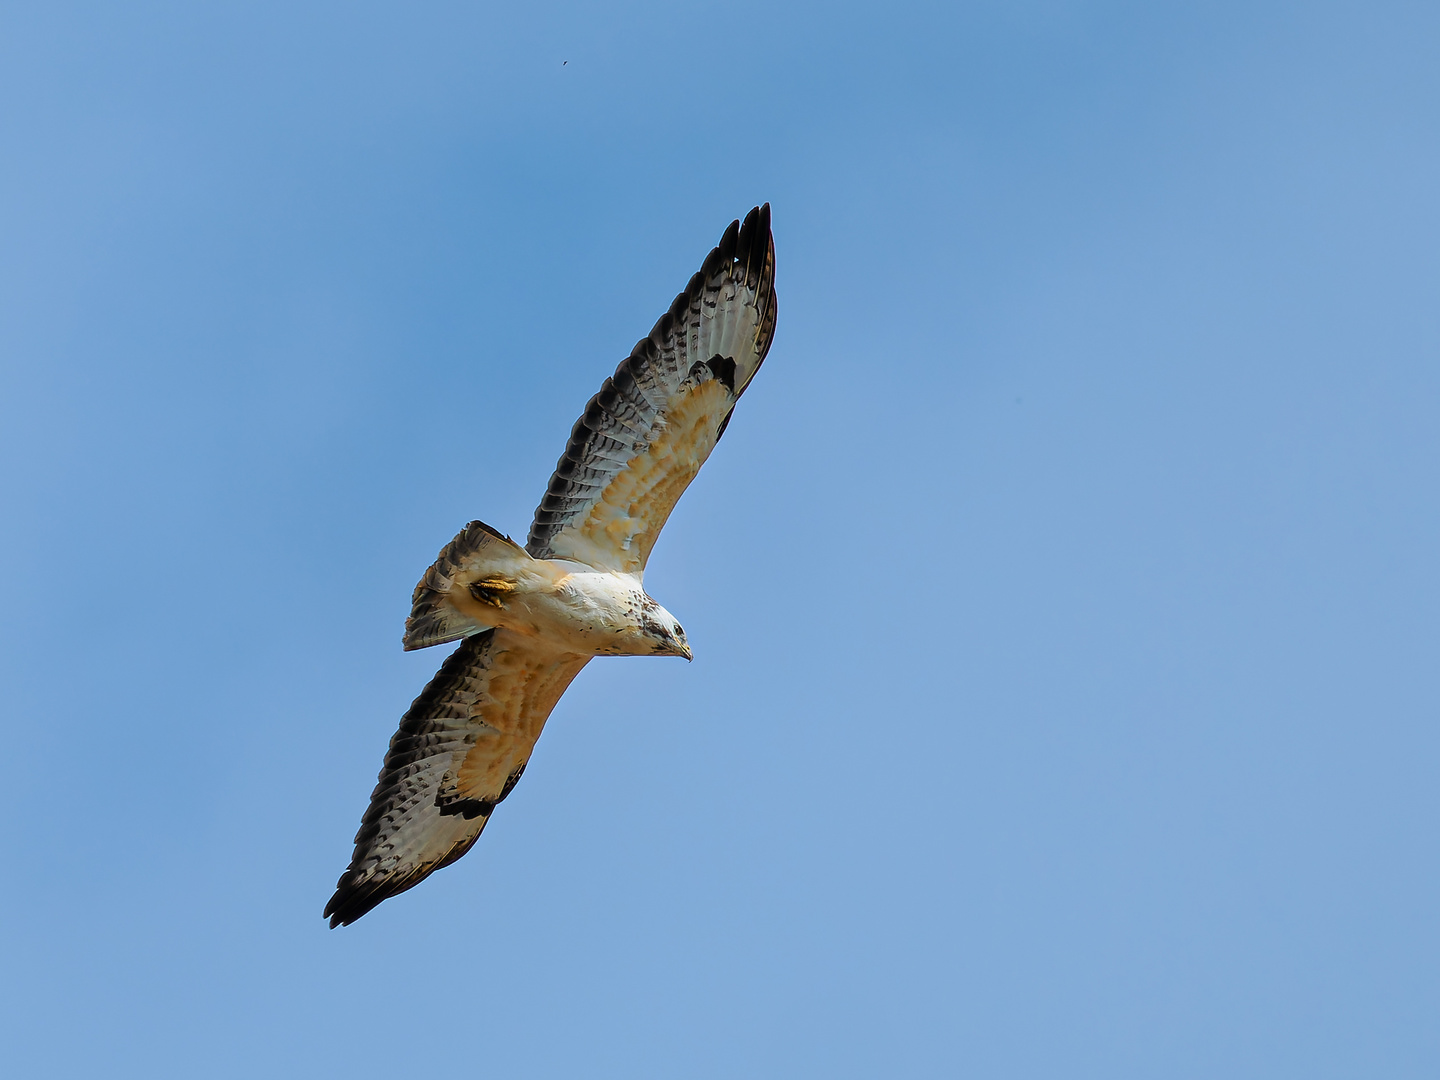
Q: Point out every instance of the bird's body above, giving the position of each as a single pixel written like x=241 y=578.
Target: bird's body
x=529 y=619
x=562 y=604
x=590 y=613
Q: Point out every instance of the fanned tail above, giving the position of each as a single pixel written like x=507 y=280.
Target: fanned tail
x=474 y=571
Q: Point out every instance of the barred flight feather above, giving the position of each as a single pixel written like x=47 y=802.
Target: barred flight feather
x=724 y=322
x=458 y=752
x=465 y=741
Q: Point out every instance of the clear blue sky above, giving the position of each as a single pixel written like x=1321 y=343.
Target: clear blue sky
x=1064 y=595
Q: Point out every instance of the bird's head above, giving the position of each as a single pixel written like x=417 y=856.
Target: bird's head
x=663 y=632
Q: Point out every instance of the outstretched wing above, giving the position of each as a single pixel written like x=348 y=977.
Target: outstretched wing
x=460 y=749
x=644 y=436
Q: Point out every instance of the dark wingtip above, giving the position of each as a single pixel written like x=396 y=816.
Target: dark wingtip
x=726 y=247
x=350 y=902
x=754 y=242
x=353 y=900
x=753 y=246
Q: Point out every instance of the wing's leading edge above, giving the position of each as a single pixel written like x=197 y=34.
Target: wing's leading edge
x=644 y=436
x=460 y=749
x=464 y=742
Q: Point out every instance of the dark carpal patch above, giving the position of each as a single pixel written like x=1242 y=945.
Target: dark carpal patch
x=720 y=368
x=723 y=368
x=417 y=820
x=473 y=808
x=618 y=422
x=427 y=729
x=469 y=809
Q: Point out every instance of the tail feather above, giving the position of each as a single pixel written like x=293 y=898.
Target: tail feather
x=476 y=568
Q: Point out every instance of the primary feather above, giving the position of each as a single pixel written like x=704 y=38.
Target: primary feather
x=644 y=436
x=531 y=619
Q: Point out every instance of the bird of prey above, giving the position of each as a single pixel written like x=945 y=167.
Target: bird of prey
x=529 y=618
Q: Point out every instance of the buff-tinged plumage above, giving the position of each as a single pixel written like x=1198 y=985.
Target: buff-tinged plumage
x=528 y=619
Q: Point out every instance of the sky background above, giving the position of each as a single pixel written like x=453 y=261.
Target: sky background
x=1064 y=595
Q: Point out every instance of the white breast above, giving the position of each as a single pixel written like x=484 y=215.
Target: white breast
x=585 y=611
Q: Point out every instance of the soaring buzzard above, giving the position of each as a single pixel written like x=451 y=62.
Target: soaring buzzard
x=532 y=617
